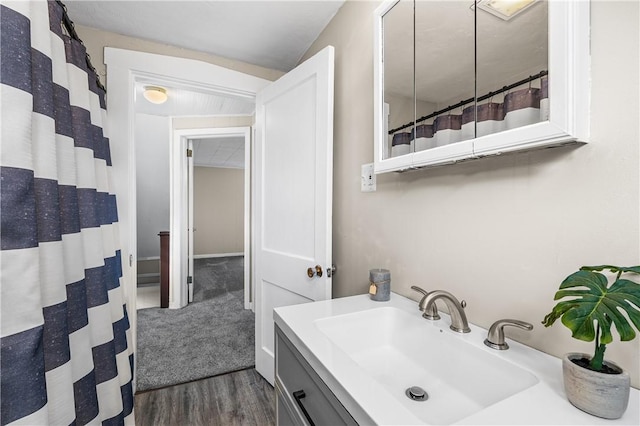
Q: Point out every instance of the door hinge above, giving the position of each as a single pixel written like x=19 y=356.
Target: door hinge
x=189 y=153
x=189 y=279
x=332 y=270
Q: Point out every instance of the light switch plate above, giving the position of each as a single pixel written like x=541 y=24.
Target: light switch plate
x=368 y=178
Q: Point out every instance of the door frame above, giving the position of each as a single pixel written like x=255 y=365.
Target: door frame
x=181 y=205
x=124 y=68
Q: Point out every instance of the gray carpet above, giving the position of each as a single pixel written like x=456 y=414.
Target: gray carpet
x=211 y=336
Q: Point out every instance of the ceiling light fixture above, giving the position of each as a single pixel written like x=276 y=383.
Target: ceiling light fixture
x=505 y=9
x=155 y=94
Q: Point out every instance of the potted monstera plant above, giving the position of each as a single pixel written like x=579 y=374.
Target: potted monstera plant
x=589 y=304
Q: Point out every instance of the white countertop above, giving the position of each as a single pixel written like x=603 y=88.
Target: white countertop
x=369 y=403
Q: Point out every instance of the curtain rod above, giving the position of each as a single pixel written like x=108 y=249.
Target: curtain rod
x=467 y=101
x=71 y=28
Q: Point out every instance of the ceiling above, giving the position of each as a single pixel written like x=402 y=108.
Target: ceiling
x=226 y=152
x=183 y=102
x=271 y=34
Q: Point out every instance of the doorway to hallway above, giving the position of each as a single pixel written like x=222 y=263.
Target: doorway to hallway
x=212 y=335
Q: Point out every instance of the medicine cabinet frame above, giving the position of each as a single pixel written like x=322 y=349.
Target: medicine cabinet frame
x=569 y=96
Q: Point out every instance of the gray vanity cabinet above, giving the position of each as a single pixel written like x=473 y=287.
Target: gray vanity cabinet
x=302 y=397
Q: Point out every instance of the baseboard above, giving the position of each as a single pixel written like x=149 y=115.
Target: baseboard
x=149 y=275
x=206 y=256
x=195 y=256
x=148 y=278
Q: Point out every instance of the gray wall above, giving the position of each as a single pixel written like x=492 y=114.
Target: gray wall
x=218 y=210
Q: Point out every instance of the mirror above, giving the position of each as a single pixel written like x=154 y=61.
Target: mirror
x=445 y=72
x=399 y=98
x=511 y=49
x=470 y=79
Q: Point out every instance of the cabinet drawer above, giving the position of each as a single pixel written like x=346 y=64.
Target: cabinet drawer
x=304 y=389
x=283 y=412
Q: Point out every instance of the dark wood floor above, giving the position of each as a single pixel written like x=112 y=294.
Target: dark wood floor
x=239 y=398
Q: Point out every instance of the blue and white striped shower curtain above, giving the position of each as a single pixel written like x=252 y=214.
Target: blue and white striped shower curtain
x=65 y=337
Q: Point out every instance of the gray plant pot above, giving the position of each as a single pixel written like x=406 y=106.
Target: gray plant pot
x=599 y=394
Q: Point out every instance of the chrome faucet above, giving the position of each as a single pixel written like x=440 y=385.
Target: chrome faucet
x=456 y=309
x=432 y=314
x=495 y=338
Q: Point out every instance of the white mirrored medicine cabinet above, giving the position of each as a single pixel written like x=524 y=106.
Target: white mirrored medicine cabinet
x=454 y=80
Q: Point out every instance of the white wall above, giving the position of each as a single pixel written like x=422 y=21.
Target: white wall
x=182 y=123
x=503 y=232
x=152 y=135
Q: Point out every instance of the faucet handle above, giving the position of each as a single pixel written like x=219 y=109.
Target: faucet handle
x=419 y=290
x=432 y=314
x=495 y=338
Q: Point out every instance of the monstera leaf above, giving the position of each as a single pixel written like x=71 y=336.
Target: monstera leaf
x=591 y=307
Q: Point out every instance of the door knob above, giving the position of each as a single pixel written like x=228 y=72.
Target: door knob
x=311 y=272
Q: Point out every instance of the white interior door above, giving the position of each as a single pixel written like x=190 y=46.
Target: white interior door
x=190 y=224
x=294 y=164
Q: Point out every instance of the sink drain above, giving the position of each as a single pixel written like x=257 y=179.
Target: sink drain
x=416 y=393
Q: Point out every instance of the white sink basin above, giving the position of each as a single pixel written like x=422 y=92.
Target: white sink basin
x=400 y=350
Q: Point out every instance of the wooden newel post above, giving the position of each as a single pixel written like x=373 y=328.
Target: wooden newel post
x=164 y=269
